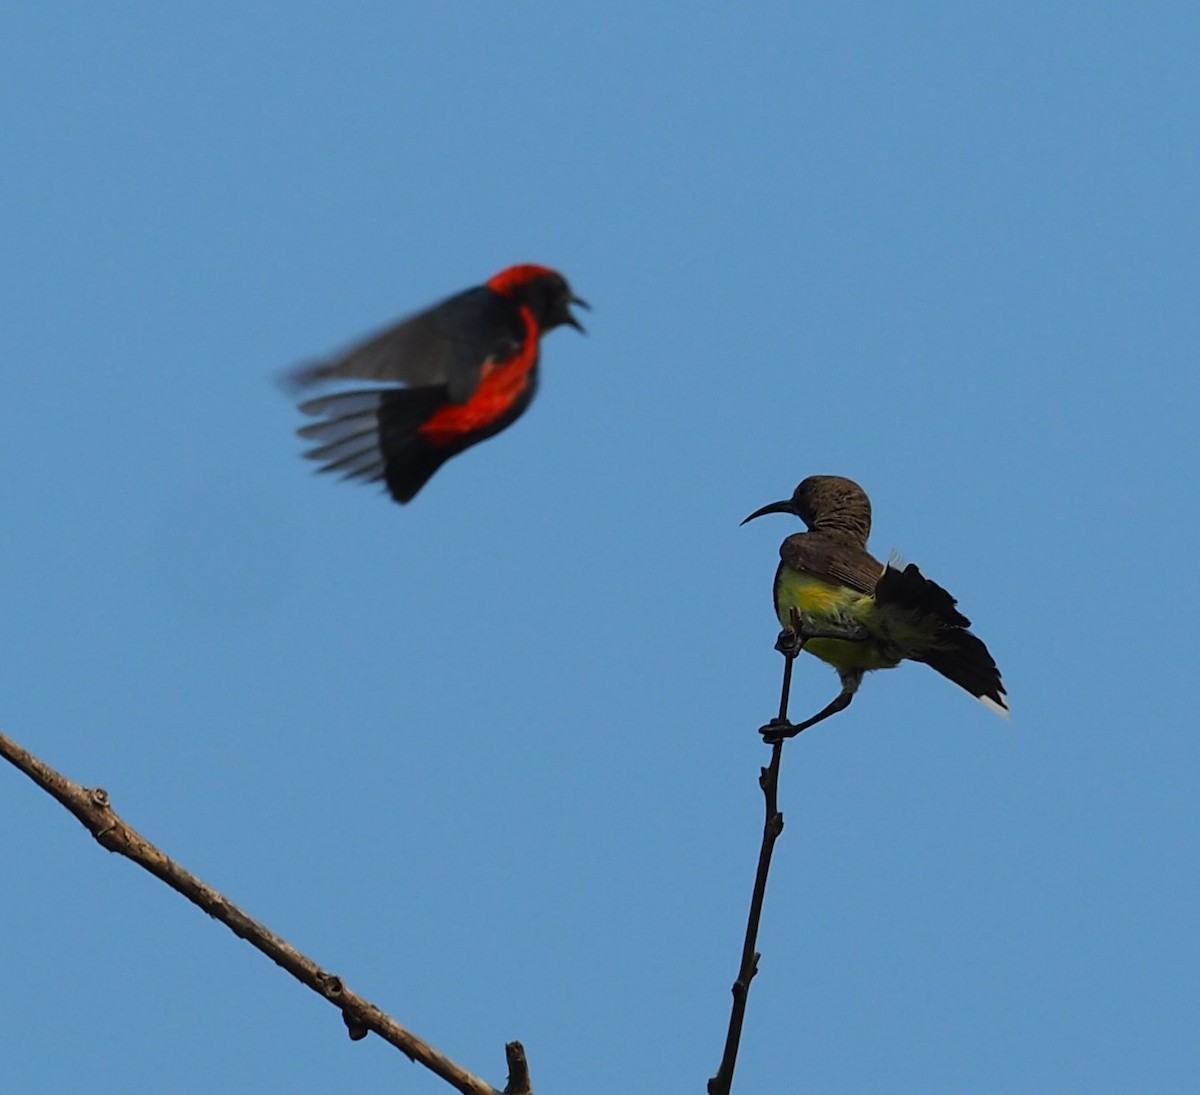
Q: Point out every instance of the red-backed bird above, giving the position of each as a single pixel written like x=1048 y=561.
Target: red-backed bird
x=463 y=370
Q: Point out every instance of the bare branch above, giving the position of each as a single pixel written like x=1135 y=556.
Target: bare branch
x=519 y=1082
x=91 y=806
x=768 y=780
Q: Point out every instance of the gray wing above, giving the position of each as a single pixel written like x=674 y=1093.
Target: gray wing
x=447 y=344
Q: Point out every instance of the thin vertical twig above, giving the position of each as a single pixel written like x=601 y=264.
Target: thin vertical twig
x=768 y=780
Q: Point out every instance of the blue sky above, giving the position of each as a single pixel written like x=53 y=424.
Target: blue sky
x=492 y=756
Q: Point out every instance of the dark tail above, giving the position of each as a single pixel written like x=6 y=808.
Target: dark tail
x=375 y=435
x=962 y=658
x=953 y=651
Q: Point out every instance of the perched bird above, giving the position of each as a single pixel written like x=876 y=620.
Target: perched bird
x=461 y=371
x=858 y=614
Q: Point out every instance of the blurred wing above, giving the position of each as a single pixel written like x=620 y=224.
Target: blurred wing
x=832 y=562
x=447 y=344
x=359 y=434
x=347 y=434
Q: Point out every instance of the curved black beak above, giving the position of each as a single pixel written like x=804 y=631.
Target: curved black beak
x=775 y=507
x=571 y=320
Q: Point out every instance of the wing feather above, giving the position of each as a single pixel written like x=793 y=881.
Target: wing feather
x=448 y=344
x=818 y=555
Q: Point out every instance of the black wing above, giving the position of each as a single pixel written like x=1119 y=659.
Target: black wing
x=952 y=650
x=447 y=344
x=358 y=433
x=910 y=589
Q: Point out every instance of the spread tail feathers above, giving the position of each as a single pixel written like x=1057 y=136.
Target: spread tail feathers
x=953 y=651
x=375 y=434
x=962 y=658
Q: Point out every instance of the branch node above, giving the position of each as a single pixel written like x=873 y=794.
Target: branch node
x=741 y=987
x=357 y=1029
x=99 y=797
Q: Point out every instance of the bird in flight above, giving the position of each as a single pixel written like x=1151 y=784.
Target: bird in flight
x=858 y=614
x=457 y=373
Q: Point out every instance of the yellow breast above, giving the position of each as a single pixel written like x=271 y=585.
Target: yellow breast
x=813 y=597
x=836 y=605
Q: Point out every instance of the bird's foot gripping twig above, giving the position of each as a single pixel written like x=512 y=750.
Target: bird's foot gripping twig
x=777 y=730
x=780 y=729
x=792 y=639
x=790 y=642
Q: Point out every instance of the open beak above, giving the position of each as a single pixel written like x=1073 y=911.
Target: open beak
x=571 y=320
x=774 y=507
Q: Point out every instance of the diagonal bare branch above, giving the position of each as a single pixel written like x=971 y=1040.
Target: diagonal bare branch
x=92 y=807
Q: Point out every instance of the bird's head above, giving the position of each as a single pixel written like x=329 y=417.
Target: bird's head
x=543 y=291
x=829 y=504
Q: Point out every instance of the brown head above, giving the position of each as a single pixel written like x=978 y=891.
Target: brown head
x=839 y=508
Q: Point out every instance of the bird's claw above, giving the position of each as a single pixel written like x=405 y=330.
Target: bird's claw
x=803 y=628
x=789 y=644
x=777 y=730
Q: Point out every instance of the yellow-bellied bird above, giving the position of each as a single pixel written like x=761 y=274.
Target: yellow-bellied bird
x=858 y=614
